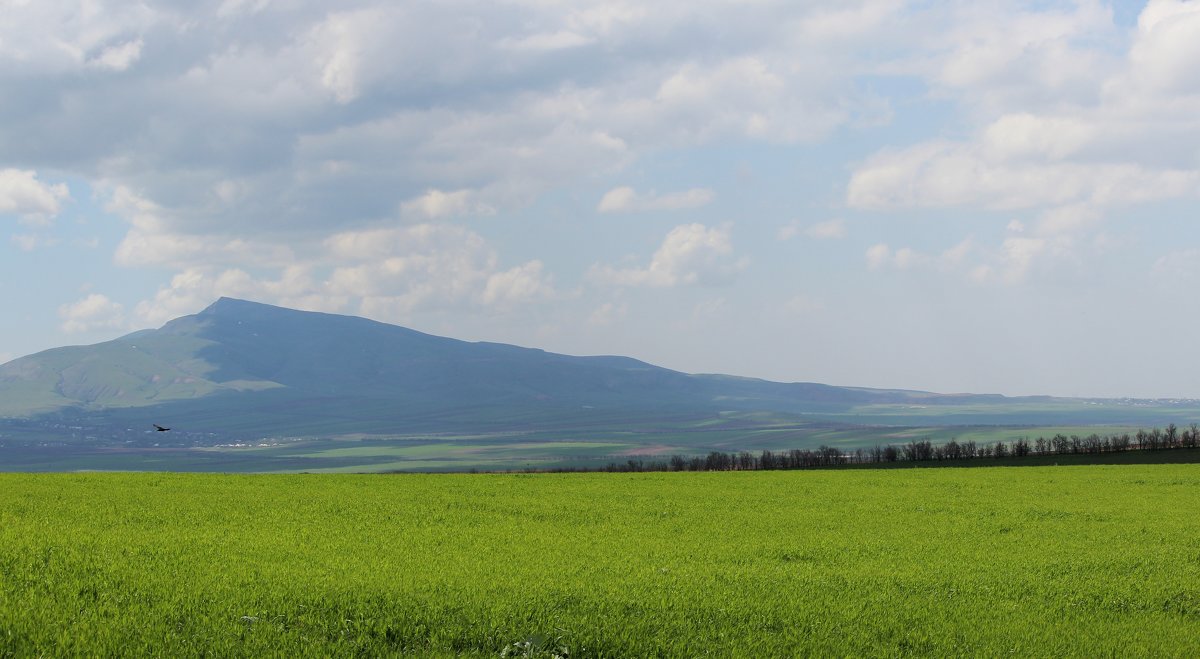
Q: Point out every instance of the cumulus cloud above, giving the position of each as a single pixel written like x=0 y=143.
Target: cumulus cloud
x=28 y=242
x=690 y=254
x=1068 y=138
x=119 y=57
x=608 y=313
x=827 y=230
x=1011 y=261
x=196 y=287
x=33 y=201
x=436 y=204
x=404 y=269
x=946 y=175
x=53 y=37
x=1017 y=255
x=881 y=255
x=878 y=255
x=384 y=273
x=1167 y=41
x=287 y=136
x=93 y=312
x=333 y=119
x=625 y=199
x=524 y=283
x=301 y=152
x=151 y=241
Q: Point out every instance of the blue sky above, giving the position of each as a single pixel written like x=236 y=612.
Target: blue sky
x=958 y=196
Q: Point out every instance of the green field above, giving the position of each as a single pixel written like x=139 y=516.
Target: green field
x=1079 y=561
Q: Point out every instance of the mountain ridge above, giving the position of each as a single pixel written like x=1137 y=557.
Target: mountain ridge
x=247 y=369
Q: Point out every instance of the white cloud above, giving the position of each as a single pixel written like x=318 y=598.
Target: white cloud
x=1017 y=255
x=35 y=202
x=625 y=199
x=150 y=240
x=1178 y=266
x=436 y=204
x=752 y=97
x=195 y=288
x=1065 y=128
x=333 y=119
x=1067 y=219
x=881 y=256
x=119 y=57
x=608 y=313
x=959 y=253
x=385 y=273
x=878 y=255
x=522 y=284
x=27 y=242
x=91 y=313
x=690 y=254
x=342 y=44
x=1167 y=45
x=55 y=37
x=999 y=55
x=1023 y=135
x=1011 y=262
x=830 y=229
x=943 y=174
x=428 y=266
x=906 y=257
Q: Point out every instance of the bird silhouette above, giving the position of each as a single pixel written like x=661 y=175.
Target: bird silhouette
x=159 y=428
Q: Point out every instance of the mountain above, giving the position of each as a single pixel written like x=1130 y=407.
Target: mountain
x=294 y=370
x=242 y=369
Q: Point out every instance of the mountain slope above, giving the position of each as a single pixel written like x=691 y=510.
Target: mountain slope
x=238 y=347
x=241 y=369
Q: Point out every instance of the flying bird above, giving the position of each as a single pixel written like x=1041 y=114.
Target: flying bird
x=159 y=428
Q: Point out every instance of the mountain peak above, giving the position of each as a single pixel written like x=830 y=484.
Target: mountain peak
x=227 y=304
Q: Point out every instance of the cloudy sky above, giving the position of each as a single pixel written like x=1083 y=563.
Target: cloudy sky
x=954 y=196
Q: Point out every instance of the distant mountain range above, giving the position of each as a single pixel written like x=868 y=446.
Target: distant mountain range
x=242 y=369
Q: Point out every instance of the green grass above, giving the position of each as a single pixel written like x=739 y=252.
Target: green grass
x=1062 y=561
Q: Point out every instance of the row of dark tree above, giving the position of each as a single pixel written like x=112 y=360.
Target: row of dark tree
x=921 y=451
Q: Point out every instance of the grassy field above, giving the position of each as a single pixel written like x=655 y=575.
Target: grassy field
x=1063 y=561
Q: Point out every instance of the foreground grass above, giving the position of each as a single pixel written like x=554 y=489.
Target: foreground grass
x=1098 y=560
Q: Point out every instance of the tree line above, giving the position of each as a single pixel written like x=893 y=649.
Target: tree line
x=1157 y=439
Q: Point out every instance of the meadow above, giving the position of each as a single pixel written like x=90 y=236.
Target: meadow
x=1063 y=561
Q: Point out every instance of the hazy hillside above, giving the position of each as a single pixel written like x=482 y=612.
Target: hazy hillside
x=247 y=370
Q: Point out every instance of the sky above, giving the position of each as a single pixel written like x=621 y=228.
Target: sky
x=958 y=196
